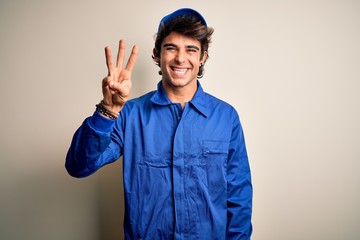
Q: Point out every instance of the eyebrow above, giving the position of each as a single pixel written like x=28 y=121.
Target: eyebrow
x=187 y=46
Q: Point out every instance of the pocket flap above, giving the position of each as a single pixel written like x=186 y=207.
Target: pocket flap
x=215 y=147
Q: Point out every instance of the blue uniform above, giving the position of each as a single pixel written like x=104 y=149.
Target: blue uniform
x=186 y=171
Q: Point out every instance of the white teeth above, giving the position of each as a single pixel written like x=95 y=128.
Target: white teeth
x=181 y=71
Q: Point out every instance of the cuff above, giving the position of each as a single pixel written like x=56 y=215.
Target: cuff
x=101 y=123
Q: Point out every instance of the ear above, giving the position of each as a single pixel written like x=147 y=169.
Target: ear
x=156 y=56
x=204 y=58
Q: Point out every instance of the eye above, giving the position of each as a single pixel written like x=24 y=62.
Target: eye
x=170 y=48
x=192 y=50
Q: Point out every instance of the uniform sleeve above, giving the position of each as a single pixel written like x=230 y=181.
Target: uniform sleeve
x=94 y=145
x=239 y=199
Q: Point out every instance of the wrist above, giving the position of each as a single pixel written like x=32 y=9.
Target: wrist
x=116 y=108
x=105 y=111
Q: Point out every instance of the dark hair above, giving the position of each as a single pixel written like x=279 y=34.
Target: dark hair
x=189 y=26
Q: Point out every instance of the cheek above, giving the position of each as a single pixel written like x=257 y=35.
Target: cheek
x=164 y=60
x=195 y=61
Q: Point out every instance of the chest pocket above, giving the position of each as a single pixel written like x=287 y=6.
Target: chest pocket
x=215 y=152
x=214 y=163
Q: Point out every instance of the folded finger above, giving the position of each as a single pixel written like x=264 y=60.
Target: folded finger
x=106 y=89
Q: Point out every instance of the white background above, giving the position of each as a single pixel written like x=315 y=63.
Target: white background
x=290 y=68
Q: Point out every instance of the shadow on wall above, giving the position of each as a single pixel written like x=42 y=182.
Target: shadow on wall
x=110 y=200
x=50 y=204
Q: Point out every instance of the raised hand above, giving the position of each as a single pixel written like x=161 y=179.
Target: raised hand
x=116 y=85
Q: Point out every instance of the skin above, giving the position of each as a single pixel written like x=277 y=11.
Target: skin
x=179 y=62
x=117 y=84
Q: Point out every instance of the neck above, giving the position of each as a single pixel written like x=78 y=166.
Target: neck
x=180 y=94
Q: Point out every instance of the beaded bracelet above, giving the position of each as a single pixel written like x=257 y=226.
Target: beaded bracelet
x=104 y=111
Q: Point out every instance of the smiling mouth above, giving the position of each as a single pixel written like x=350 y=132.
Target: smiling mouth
x=179 y=71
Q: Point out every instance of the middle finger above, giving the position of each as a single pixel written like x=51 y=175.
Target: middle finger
x=121 y=54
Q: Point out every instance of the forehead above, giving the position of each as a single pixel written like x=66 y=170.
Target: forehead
x=180 y=40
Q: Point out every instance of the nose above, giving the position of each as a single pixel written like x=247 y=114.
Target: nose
x=180 y=56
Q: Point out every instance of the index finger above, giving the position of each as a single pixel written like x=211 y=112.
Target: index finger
x=109 y=61
x=132 y=59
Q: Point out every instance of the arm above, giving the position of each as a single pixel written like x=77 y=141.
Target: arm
x=239 y=201
x=94 y=144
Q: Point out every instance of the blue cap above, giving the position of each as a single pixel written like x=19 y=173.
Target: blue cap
x=181 y=12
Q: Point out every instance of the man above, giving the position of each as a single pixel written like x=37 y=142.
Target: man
x=186 y=170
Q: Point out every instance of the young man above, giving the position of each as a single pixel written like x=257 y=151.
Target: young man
x=186 y=170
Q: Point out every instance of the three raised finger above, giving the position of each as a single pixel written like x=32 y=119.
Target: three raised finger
x=120 y=57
